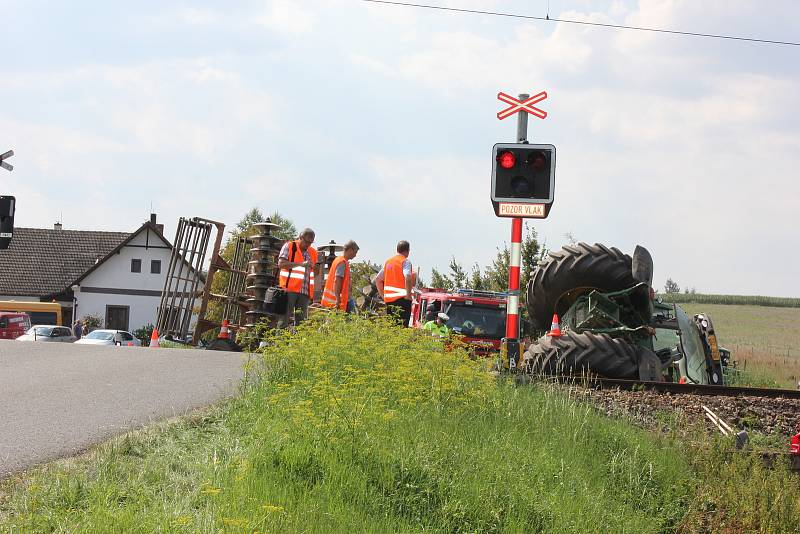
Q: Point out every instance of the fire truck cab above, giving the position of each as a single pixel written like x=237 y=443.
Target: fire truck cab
x=478 y=316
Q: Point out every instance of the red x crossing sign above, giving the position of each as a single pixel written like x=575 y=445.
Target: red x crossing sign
x=521 y=105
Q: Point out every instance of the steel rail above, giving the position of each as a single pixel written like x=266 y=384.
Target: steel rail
x=665 y=387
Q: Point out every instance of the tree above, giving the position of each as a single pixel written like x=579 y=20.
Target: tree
x=251 y=217
x=458 y=276
x=287 y=229
x=476 y=280
x=531 y=254
x=671 y=286
x=496 y=273
x=440 y=281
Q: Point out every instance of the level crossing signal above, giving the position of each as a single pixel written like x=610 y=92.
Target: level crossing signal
x=6 y=220
x=523 y=179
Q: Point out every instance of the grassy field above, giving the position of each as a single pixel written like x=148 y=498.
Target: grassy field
x=358 y=426
x=765 y=341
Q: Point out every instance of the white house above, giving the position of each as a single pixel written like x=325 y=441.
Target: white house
x=117 y=276
x=124 y=288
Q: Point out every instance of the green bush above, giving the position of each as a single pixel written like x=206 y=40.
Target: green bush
x=144 y=333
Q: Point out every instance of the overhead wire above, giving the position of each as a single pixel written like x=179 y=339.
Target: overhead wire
x=584 y=23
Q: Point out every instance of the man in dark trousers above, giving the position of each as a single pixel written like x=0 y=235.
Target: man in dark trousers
x=296 y=262
x=77 y=329
x=394 y=283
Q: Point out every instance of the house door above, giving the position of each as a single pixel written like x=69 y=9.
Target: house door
x=117 y=317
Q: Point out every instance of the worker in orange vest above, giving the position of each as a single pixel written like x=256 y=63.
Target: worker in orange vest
x=296 y=262
x=394 y=283
x=337 y=286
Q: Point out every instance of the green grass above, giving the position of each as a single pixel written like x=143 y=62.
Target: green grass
x=357 y=426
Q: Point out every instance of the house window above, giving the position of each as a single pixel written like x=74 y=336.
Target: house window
x=136 y=266
x=155 y=266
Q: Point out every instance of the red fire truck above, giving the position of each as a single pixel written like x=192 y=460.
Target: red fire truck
x=479 y=316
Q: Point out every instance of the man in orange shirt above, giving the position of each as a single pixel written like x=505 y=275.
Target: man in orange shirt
x=337 y=286
x=296 y=262
x=394 y=283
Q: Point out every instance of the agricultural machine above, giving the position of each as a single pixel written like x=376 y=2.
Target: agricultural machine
x=611 y=323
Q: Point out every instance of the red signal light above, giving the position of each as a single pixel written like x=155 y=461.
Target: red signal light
x=506 y=159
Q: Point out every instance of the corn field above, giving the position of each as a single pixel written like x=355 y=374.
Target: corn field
x=746 y=300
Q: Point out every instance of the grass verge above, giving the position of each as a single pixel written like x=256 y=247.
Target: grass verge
x=355 y=425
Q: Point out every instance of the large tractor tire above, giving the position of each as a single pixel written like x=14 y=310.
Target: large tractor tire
x=572 y=354
x=571 y=272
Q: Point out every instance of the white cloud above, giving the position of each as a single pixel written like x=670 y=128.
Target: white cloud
x=287 y=16
x=198 y=16
x=422 y=184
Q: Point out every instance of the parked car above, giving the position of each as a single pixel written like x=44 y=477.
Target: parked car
x=109 y=337
x=13 y=324
x=48 y=333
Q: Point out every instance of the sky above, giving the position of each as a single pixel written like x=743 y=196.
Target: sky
x=376 y=123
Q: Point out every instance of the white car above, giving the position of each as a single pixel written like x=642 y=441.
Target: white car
x=48 y=333
x=109 y=337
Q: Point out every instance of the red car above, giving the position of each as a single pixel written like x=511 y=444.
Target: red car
x=479 y=316
x=13 y=324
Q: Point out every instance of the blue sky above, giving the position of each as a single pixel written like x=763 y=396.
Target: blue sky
x=376 y=123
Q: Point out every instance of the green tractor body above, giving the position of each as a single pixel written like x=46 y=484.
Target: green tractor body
x=612 y=325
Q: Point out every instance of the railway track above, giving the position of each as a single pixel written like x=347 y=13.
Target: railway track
x=667 y=387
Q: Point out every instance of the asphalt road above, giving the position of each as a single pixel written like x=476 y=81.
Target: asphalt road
x=58 y=399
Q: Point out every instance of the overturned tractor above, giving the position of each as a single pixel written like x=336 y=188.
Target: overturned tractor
x=612 y=324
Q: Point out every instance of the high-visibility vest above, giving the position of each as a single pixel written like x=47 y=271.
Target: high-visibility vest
x=394 y=281
x=439 y=330
x=295 y=278
x=328 y=296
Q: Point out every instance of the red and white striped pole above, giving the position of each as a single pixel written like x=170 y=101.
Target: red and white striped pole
x=512 y=306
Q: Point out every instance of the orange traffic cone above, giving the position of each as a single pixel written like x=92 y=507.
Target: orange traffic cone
x=154 y=339
x=555 y=328
x=224 y=333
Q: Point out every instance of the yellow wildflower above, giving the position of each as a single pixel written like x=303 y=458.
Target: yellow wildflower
x=208 y=489
x=272 y=508
x=183 y=520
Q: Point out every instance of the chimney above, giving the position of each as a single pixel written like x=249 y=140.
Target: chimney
x=57 y=226
x=159 y=227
